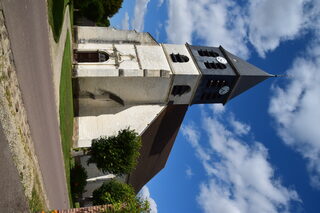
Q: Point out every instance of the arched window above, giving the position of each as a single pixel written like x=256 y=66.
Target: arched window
x=179 y=58
x=180 y=90
x=90 y=56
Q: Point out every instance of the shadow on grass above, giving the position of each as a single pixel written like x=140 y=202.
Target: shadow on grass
x=56 y=15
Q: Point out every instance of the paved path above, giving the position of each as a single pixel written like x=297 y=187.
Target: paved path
x=26 y=21
x=11 y=190
x=57 y=50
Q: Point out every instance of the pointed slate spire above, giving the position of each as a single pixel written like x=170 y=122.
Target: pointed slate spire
x=248 y=74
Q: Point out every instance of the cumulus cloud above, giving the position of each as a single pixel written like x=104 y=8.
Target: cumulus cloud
x=261 y=23
x=145 y=195
x=272 y=21
x=240 y=178
x=125 y=22
x=209 y=21
x=140 y=10
x=295 y=108
x=180 y=23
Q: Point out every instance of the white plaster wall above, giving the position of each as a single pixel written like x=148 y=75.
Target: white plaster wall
x=135 y=117
x=95 y=70
x=127 y=57
x=95 y=46
x=184 y=73
x=152 y=57
x=132 y=90
x=110 y=35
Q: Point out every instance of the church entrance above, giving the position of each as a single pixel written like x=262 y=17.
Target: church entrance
x=90 y=56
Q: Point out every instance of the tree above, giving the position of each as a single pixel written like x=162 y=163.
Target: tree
x=121 y=196
x=116 y=154
x=94 y=10
x=98 y=11
x=78 y=177
x=111 y=7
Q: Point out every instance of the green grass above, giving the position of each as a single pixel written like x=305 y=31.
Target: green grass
x=66 y=110
x=56 y=14
x=36 y=203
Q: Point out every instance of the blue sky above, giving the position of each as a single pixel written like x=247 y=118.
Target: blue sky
x=260 y=152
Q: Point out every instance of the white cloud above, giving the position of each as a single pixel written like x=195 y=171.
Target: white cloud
x=240 y=178
x=193 y=137
x=180 y=22
x=272 y=21
x=160 y=25
x=145 y=195
x=189 y=172
x=140 y=10
x=217 y=109
x=263 y=23
x=239 y=128
x=295 y=109
x=215 y=22
x=160 y=3
x=125 y=22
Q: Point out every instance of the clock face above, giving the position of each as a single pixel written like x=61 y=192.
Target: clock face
x=224 y=90
x=221 y=60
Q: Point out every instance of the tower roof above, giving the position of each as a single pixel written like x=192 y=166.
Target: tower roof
x=248 y=74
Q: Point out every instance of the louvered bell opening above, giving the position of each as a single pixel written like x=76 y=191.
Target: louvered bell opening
x=208 y=53
x=221 y=66
x=212 y=65
x=200 y=52
x=208 y=65
x=213 y=54
x=179 y=58
x=173 y=57
x=180 y=90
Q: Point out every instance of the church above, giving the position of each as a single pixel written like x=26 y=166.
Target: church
x=124 y=78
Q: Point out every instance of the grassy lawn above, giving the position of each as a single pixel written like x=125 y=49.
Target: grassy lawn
x=66 y=110
x=56 y=15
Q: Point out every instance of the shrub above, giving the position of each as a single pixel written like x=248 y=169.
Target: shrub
x=116 y=154
x=121 y=196
x=78 y=178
